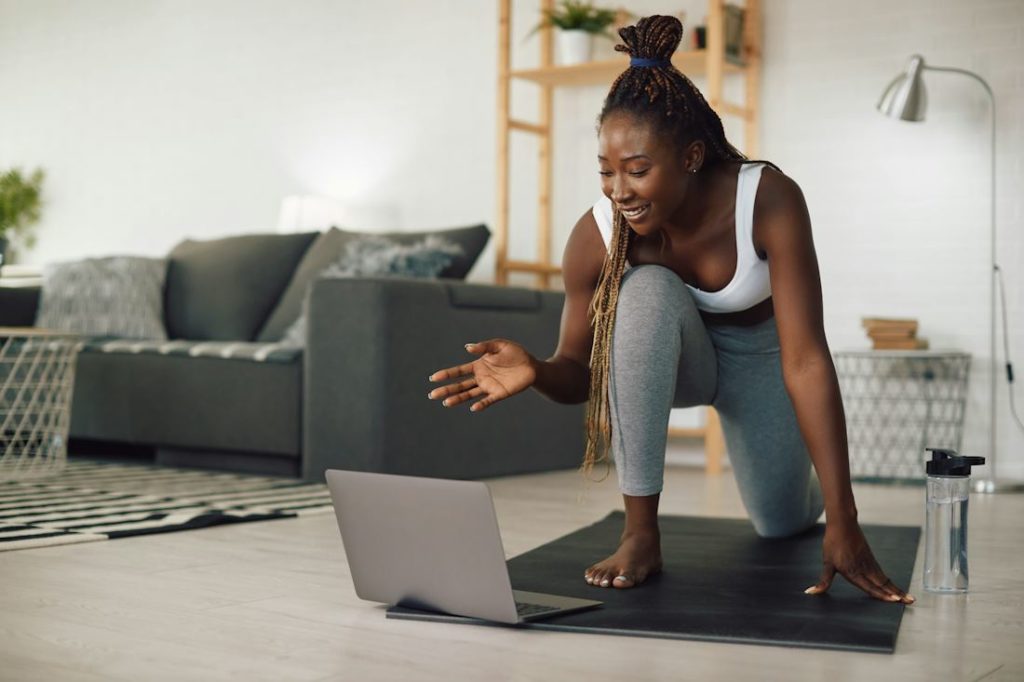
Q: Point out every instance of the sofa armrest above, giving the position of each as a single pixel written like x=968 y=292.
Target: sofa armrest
x=18 y=305
x=372 y=343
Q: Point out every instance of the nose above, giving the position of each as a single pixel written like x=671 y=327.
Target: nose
x=620 y=190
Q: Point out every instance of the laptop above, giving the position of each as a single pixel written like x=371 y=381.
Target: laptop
x=432 y=544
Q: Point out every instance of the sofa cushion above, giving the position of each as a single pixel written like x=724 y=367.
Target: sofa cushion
x=114 y=296
x=329 y=248
x=382 y=257
x=226 y=350
x=188 y=401
x=223 y=289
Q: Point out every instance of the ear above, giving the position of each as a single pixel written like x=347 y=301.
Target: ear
x=693 y=157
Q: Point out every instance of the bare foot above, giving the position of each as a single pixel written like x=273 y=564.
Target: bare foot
x=638 y=556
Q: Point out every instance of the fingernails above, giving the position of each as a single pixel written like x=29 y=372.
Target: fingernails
x=809 y=590
x=469 y=345
x=894 y=597
x=911 y=599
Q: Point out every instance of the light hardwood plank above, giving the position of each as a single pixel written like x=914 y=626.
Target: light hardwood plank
x=274 y=601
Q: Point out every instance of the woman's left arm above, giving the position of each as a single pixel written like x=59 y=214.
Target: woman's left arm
x=784 y=230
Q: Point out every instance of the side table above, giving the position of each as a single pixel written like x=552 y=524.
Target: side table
x=37 y=373
x=898 y=403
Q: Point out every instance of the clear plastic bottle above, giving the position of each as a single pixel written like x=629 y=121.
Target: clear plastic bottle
x=947 y=494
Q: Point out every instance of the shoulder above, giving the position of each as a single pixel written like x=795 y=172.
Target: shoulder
x=777 y=192
x=779 y=209
x=584 y=254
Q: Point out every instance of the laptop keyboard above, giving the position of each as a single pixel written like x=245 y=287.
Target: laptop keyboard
x=524 y=609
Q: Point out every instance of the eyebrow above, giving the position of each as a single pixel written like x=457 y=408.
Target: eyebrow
x=626 y=158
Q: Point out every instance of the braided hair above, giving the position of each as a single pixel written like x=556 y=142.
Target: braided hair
x=666 y=100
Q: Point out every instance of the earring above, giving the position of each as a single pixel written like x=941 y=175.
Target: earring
x=693 y=170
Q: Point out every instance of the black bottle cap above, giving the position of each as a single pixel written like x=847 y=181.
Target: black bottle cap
x=948 y=463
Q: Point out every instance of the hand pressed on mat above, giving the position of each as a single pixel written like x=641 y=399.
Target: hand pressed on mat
x=845 y=551
x=503 y=369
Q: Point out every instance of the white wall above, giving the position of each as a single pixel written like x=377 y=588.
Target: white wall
x=158 y=120
x=901 y=210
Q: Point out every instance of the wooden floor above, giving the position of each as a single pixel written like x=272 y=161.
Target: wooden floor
x=274 y=601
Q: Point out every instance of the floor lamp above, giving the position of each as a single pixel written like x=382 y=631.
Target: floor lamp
x=905 y=99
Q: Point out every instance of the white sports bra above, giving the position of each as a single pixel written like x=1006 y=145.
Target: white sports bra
x=750 y=284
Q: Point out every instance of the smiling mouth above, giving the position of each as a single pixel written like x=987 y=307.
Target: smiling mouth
x=636 y=213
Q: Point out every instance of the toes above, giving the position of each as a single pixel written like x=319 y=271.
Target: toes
x=605 y=578
x=623 y=580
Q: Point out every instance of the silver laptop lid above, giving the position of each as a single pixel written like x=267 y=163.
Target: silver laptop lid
x=424 y=543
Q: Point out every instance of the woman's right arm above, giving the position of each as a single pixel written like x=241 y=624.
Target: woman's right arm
x=565 y=376
x=505 y=368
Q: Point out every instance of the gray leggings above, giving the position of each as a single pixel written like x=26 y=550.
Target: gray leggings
x=664 y=356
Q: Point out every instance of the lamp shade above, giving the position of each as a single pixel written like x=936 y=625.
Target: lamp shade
x=905 y=98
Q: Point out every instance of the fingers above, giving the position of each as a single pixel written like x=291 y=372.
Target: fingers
x=825 y=582
x=468 y=393
x=452 y=372
x=452 y=390
x=489 y=346
x=482 y=404
x=871 y=588
x=879 y=586
x=890 y=588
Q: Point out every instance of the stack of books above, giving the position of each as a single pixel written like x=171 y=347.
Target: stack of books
x=893 y=334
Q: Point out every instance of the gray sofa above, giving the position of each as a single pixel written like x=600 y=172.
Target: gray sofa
x=354 y=397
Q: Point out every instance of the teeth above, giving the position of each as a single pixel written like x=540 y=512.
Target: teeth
x=636 y=212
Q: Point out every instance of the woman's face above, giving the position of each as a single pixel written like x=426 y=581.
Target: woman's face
x=640 y=171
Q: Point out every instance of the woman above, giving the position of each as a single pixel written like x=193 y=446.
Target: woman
x=693 y=281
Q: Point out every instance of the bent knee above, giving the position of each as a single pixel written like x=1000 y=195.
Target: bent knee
x=656 y=282
x=784 y=528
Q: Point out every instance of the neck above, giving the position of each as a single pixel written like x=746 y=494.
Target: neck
x=698 y=207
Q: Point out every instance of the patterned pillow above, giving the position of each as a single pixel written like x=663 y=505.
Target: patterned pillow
x=114 y=296
x=377 y=257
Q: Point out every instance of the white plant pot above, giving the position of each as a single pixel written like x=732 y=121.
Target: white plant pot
x=575 y=46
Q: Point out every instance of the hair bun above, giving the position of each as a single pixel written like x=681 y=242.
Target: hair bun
x=653 y=37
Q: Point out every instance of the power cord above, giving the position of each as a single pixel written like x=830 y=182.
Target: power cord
x=1006 y=348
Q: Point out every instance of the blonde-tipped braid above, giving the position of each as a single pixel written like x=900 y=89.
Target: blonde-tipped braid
x=602 y=319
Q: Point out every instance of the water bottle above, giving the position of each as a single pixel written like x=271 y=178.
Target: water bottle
x=945 y=553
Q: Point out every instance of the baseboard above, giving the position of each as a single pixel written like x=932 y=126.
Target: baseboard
x=248 y=462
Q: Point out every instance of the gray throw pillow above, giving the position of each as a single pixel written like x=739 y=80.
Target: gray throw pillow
x=382 y=257
x=113 y=296
x=330 y=246
x=223 y=289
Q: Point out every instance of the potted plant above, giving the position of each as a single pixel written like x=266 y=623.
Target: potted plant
x=579 y=22
x=19 y=207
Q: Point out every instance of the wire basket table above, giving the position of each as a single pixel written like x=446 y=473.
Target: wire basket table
x=898 y=403
x=37 y=375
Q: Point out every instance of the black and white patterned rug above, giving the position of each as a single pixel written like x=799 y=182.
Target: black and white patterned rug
x=101 y=500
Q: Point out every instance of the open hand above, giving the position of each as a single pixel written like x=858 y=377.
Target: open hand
x=503 y=369
x=845 y=551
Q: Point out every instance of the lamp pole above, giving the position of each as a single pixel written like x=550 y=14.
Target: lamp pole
x=905 y=99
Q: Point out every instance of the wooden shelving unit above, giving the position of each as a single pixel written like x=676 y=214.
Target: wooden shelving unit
x=710 y=63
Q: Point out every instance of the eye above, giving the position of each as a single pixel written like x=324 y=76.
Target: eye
x=638 y=174
x=604 y=173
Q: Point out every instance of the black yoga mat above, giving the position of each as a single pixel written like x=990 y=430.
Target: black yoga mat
x=720 y=582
